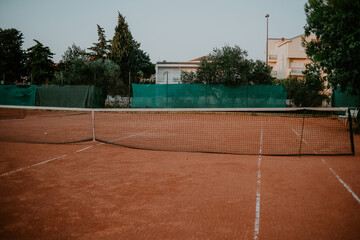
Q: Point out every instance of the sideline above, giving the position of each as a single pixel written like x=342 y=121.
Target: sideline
x=335 y=174
x=341 y=181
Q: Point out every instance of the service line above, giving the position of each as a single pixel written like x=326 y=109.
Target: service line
x=34 y=165
x=63 y=156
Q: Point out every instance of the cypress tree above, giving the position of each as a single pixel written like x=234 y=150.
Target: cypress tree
x=123 y=51
x=100 y=50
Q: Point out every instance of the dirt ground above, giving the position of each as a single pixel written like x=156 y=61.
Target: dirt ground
x=101 y=191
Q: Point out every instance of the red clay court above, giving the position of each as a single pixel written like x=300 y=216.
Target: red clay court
x=93 y=190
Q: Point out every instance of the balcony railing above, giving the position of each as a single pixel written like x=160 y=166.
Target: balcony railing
x=272 y=58
x=296 y=71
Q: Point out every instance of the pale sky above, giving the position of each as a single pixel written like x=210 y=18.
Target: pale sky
x=167 y=30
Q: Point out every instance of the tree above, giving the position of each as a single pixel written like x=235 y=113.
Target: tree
x=189 y=77
x=133 y=62
x=143 y=64
x=336 y=25
x=123 y=51
x=107 y=76
x=12 y=56
x=229 y=66
x=308 y=92
x=102 y=73
x=260 y=73
x=39 y=65
x=71 y=55
x=101 y=49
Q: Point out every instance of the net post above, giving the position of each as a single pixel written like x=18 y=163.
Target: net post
x=93 y=125
x=351 y=132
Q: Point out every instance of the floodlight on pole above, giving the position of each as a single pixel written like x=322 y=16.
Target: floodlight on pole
x=267 y=38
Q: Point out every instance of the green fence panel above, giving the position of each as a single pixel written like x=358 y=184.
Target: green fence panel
x=17 y=95
x=207 y=96
x=80 y=96
x=344 y=99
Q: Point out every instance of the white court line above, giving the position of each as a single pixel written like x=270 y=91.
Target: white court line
x=80 y=150
x=337 y=176
x=117 y=139
x=83 y=149
x=257 y=211
x=341 y=181
x=299 y=135
x=34 y=165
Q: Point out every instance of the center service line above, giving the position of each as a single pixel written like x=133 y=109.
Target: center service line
x=257 y=212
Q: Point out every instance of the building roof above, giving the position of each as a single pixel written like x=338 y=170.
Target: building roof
x=182 y=63
x=193 y=61
x=285 y=39
x=199 y=59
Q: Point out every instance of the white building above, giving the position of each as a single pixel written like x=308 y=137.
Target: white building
x=170 y=72
x=288 y=56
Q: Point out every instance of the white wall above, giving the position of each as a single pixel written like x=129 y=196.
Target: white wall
x=171 y=73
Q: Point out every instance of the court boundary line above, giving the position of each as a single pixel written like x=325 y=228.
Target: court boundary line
x=332 y=170
x=66 y=155
x=257 y=208
x=129 y=136
x=302 y=138
x=33 y=165
x=341 y=181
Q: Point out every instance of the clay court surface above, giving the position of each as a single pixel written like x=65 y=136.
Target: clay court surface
x=101 y=191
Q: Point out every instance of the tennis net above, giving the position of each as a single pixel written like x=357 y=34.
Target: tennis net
x=292 y=131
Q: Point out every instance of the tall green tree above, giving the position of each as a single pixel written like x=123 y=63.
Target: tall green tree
x=260 y=73
x=336 y=25
x=229 y=66
x=72 y=54
x=307 y=92
x=123 y=51
x=144 y=67
x=12 y=57
x=101 y=49
x=39 y=64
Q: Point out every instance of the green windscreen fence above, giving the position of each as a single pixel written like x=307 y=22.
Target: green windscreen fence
x=17 y=95
x=82 y=96
x=344 y=99
x=208 y=96
x=70 y=96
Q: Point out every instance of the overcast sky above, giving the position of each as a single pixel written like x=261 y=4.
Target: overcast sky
x=178 y=30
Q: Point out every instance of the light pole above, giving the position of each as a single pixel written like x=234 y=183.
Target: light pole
x=267 y=38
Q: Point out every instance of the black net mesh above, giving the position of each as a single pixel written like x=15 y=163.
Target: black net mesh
x=238 y=131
